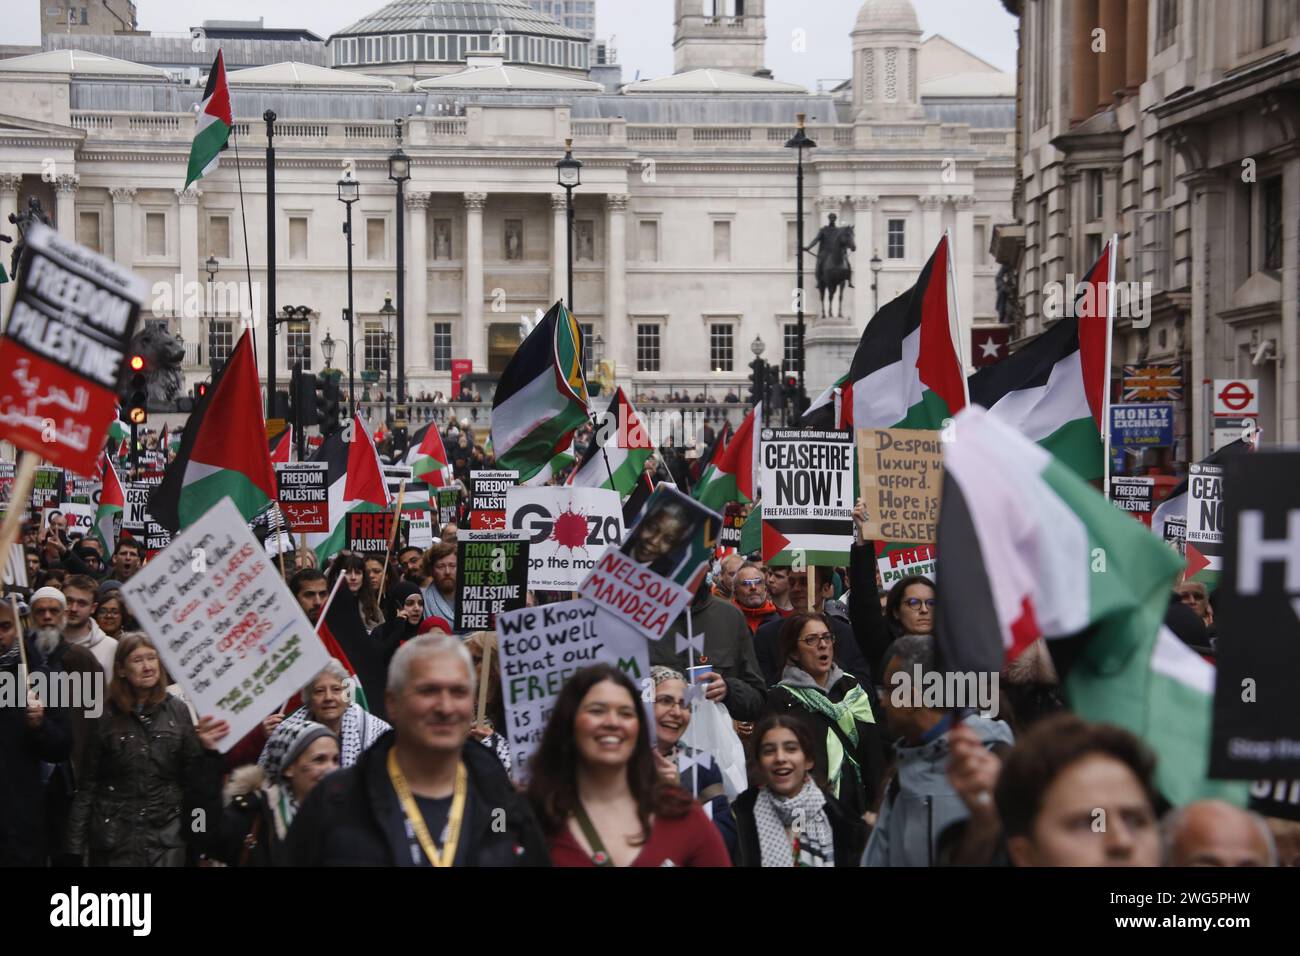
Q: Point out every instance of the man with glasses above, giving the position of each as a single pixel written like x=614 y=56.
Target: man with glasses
x=750 y=586
x=440 y=594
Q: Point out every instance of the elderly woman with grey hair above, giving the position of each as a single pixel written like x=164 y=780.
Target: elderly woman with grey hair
x=327 y=699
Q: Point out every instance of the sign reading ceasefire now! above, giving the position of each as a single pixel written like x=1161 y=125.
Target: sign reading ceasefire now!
x=70 y=325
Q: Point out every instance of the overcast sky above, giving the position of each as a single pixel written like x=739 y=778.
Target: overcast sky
x=643 y=28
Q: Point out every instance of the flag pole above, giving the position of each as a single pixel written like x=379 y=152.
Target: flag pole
x=582 y=371
x=955 y=315
x=1105 y=383
x=248 y=264
x=397 y=518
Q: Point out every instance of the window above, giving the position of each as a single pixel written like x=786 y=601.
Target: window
x=373 y=348
x=442 y=346
x=981 y=240
x=791 y=240
x=722 y=240
x=1096 y=195
x=298 y=238
x=722 y=347
x=1273 y=15
x=221 y=340
x=374 y=239
x=1270 y=220
x=647 y=245
x=647 y=348
x=588 y=346
x=896 y=245
x=1166 y=22
x=790 y=348
x=155 y=233
x=219 y=236
x=1093 y=251
x=88 y=230
x=297 y=346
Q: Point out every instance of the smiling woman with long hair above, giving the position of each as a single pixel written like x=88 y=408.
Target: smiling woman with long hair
x=595 y=788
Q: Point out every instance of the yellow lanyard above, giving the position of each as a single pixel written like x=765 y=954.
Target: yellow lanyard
x=413 y=814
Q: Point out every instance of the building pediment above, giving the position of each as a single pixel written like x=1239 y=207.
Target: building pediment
x=21 y=127
x=1260 y=290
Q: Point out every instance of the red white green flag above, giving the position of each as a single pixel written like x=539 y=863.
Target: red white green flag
x=212 y=126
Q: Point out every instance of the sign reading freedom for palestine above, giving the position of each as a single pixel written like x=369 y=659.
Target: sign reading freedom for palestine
x=303 y=496
x=70 y=325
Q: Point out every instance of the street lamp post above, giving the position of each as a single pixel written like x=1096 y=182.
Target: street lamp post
x=387 y=311
x=569 y=176
x=875 y=282
x=399 y=171
x=211 y=267
x=349 y=192
x=799 y=142
x=758 y=347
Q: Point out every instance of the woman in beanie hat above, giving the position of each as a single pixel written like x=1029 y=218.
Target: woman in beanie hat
x=261 y=802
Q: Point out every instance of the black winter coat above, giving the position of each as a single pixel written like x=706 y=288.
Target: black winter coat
x=848 y=832
x=847 y=653
x=22 y=749
x=140 y=784
x=344 y=820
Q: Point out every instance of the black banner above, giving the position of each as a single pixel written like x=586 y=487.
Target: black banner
x=491 y=577
x=370 y=531
x=1257 y=610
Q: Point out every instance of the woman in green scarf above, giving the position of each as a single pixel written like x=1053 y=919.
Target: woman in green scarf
x=846 y=737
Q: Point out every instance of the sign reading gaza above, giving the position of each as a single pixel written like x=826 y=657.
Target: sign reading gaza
x=71 y=323
x=567 y=530
x=491 y=577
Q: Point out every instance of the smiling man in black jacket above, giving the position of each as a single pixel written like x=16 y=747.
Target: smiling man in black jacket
x=423 y=793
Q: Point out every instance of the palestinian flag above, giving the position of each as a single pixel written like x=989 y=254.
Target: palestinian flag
x=709 y=460
x=340 y=629
x=636 y=499
x=542 y=396
x=828 y=411
x=907 y=370
x=428 y=457
x=281 y=447
x=732 y=478
x=223 y=453
x=1043 y=554
x=111 y=503
x=119 y=437
x=213 y=125
x=1054 y=390
x=561 y=460
x=356 y=483
x=619 y=460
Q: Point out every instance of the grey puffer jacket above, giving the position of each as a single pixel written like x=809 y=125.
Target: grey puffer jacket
x=138 y=784
x=920 y=803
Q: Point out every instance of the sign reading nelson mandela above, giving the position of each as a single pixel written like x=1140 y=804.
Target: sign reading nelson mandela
x=71 y=323
x=1257 y=608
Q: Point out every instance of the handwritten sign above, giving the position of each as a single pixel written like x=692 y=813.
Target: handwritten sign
x=304 y=496
x=70 y=325
x=900 y=471
x=491 y=577
x=541 y=648
x=224 y=623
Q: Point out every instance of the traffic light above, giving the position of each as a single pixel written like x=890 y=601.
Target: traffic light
x=304 y=398
x=757 y=380
x=328 y=410
x=201 y=389
x=775 y=396
x=137 y=408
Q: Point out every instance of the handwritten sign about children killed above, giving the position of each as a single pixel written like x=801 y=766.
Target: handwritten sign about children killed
x=567 y=529
x=491 y=577
x=541 y=648
x=370 y=531
x=224 y=623
x=61 y=360
x=304 y=496
x=901 y=473
x=807 y=491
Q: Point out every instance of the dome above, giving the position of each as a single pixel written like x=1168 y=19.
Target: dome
x=887 y=16
x=458 y=16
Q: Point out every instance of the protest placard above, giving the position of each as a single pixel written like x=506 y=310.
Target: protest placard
x=567 y=530
x=68 y=329
x=1203 y=541
x=419 y=528
x=135 y=512
x=1136 y=495
x=370 y=531
x=487 y=499
x=156 y=537
x=15 y=574
x=304 y=496
x=541 y=648
x=491 y=577
x=448 y=506
x=1256 y=723
x=650 y=579
x=224 y=623
x=80 y=518
x=80 y=490
x=6 y=481
x=47 y=489
x=901 y=474
x=808 y=494
x=898 y=563
x=733 y=521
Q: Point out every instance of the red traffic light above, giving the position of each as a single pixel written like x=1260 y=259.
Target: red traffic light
x=137 y=363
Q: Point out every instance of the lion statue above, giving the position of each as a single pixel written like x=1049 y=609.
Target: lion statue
x=163 y=354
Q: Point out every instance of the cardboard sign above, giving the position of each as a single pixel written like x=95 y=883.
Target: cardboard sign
x=901 y=473
x=448 y=506
x=650 y=579
x=70 y=325
x=224 y=623
x=567 y=529
x=1204 y=537
x=491 y=577
x=47 y=489
x=899 y=563
x=304 y=496
x=81 y=518
x=541 y=648
x=1149 y=425
x=1257 y=609
x=418 y=527
x=370 y=531
x=1134 y=495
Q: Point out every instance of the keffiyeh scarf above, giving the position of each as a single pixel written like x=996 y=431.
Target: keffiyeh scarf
x=357 y=732
x=854 y=707
x=794 y=831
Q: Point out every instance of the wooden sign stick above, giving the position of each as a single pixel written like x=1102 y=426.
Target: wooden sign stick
x=485 y=670
x=397 y=520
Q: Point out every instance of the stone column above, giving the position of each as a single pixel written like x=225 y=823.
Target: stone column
x=417 y=287
x=65 y=205
x=475 y=347
x=931 y=226
x=1135 y=60
x=10 y=183
x=188 y=232
x=963 y=269
x=559 y=250
x=1289 y=348
x=616 y=284
x=864 y=229
x=1206 y=192
x=1113 y=61
x=1083 y=62
x=124 y=224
